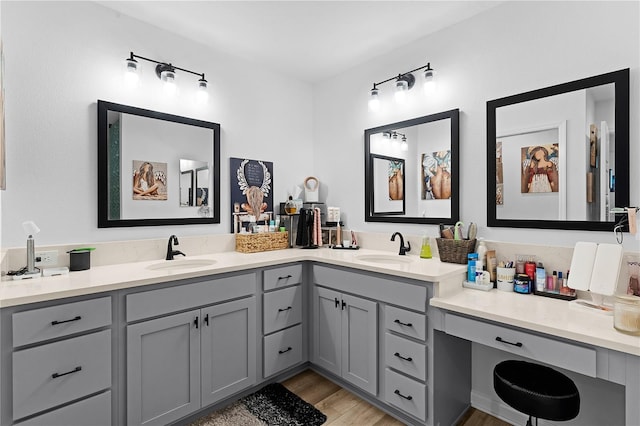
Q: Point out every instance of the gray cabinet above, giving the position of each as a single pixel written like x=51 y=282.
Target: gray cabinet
x=163 y=369
x=179 y=363
x=345 y=337
x=228 y=348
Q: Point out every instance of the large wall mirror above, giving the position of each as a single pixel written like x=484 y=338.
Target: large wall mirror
x=412 y=170
x=558 y=157
x=156 y=168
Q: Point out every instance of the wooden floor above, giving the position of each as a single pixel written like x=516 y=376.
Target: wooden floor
x=344 y=408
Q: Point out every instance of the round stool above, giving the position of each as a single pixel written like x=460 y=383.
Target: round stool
x=536 y=390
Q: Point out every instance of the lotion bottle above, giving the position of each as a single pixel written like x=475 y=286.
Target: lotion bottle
x=540 y=277
x=482 y=252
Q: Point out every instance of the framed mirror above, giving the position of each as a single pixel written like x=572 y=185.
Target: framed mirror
x=558 y=157
x=412 y=170
x=156 y=168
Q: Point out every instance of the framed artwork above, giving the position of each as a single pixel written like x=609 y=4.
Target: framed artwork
x=388 y=183
x=149 y=180
x=539 y=169
x=251 y=192
x=436 y=175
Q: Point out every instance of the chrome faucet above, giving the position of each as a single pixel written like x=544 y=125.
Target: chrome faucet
x=403 y=250
x=170 y=251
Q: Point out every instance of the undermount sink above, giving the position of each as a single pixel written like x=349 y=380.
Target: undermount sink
x=384 y=259
x=167 y=265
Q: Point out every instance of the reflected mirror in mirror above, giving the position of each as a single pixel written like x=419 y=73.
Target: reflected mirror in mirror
x=411 y=170
x=558 y=157
x=151 y=165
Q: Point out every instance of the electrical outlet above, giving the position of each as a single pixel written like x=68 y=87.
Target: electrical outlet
x=47 y=258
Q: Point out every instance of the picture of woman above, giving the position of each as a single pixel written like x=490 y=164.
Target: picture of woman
x=149 y=184
x=539 y=169
x=436 y=175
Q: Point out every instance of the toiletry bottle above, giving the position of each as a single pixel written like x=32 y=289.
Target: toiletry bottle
x=425 y=250
x=560 y=281
x=482 y=251
x=555 y=281
x=530 y=270
x=471 y=266
x=540 y=277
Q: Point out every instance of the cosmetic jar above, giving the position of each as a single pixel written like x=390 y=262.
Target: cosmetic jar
x=522 y=284
x=626 y=314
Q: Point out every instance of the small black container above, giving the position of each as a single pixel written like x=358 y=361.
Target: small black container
x=79 y=260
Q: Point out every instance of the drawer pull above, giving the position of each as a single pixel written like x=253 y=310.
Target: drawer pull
x=408 y=398
x=406 y=324
x=401 y=357
x=75 y=370
x=286 y=277
x=285 y=351
x=195 y=321
x=344 y=304
x=337 y=301
x=518 y=344
x=288 y=308
x=206 y=320
x=76 y=318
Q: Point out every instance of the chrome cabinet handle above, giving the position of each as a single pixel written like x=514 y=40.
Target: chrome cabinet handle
x=518 y=344
x=406 y=324
x=408 y=398
x=76 y=318
x=75 y=370
x=401 y=357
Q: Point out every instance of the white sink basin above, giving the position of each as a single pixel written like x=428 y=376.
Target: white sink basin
x=384 y=259
x=170 y=265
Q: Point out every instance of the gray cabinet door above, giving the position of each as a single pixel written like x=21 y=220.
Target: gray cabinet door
x=327 y=329
x=360 y=343
x=163 y=369
x=228 y=336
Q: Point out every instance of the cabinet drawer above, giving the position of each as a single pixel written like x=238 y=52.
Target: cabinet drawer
x=282 y=308
x=282 y=350
x=562 y=354
x=406 y=394
x=167 y=300
x=405 y=322
x=81 y=365
x=405 y=356
x=282 y=276
x=41 y=324
x=94 y=411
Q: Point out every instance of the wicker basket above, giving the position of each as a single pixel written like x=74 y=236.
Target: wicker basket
x=455 y=251
x=253 y=243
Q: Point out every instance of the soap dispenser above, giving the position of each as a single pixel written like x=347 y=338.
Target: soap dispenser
x=425 y=250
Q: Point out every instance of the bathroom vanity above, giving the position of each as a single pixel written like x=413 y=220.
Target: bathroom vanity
x=93 y=347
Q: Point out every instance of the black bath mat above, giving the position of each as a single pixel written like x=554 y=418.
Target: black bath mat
x=273 y=405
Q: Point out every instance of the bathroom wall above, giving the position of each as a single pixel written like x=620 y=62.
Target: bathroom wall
x=512 y=48
x=61 y=57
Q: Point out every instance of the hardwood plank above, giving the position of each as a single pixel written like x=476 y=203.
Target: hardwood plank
x=362 y=413
x=387 y=420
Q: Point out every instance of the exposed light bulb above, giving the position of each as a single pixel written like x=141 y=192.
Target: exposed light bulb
x=404 y=146
x=374 y=100
x=203 y=92
x=395 y=143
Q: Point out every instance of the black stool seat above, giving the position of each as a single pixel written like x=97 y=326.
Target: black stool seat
x=536 y=390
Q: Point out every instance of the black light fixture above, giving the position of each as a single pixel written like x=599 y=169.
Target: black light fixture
x=395 y=143
x=403 y=83
x=165 y=72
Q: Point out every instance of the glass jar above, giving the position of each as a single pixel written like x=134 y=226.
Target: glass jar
x=626 y=314
x=290 y=206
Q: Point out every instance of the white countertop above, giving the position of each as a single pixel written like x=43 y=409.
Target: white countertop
x=542 y=314
x=128 y=275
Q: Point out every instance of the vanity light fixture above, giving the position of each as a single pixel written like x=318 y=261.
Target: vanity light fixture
x=165 y=72
x=395 y=142
x=403 y=83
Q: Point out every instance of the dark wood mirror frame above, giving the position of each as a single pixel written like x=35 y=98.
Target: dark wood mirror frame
x=620 y=79
x=370 y=216
x=104 y=221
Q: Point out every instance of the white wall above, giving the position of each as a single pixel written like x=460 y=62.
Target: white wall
x=510 y=49
x=61 y=57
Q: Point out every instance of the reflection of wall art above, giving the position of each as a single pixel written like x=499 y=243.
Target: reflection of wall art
x=149 y=180
x=436 y=175
x=388 y=182
x=499 y=175
x=251 y=191
x=593 y=144
x=539 y=168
